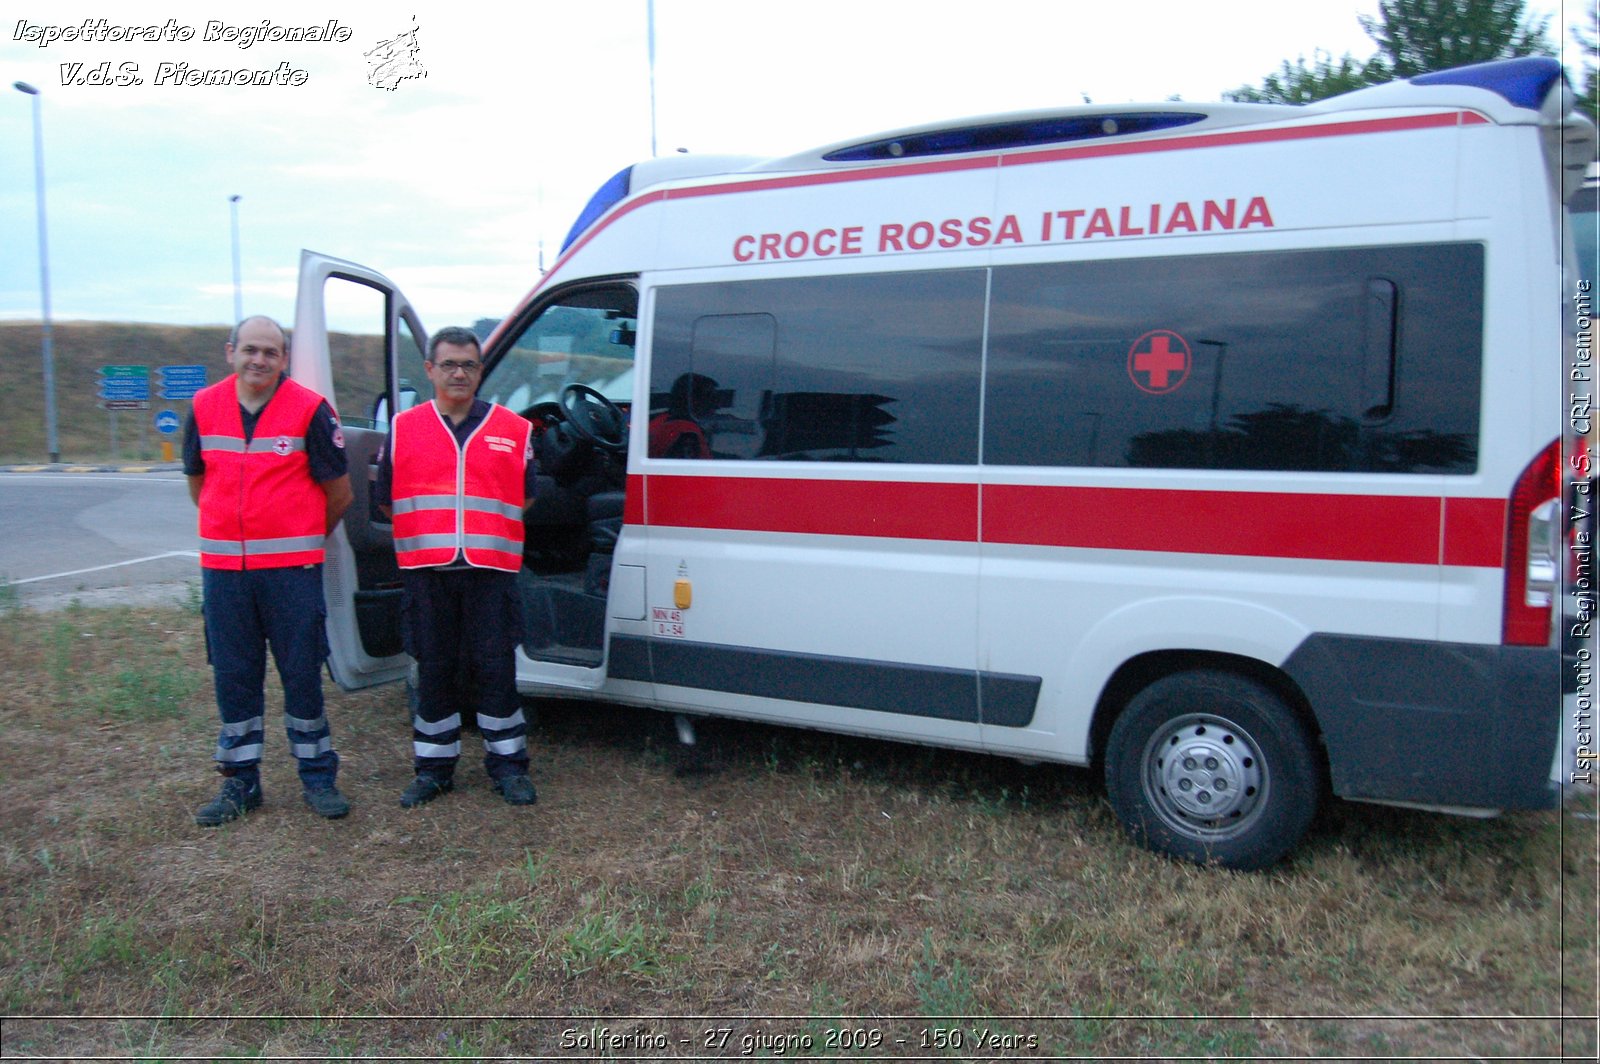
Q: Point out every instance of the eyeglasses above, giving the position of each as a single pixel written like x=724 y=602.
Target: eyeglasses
x=451 y=368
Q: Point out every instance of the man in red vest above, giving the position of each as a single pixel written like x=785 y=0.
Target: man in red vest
x=456 y=476
x=266 y=466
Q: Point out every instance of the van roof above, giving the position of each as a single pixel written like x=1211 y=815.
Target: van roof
x=1028 y=129
x=1511 y=91
x=1500 y=89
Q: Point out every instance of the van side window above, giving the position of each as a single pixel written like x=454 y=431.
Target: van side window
x=1340 y=360
x=1347 y=360
x=724 y=396
x=869 y=368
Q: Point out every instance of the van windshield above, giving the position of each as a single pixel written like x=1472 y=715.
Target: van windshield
x=586 y=337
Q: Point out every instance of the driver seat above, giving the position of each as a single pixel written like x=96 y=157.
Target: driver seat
x=605 y=520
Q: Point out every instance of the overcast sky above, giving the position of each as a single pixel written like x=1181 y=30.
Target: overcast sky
x=449 y=182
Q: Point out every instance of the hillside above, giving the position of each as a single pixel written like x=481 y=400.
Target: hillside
x=84 y=429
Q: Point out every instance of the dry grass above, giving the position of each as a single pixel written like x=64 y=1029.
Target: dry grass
x=793 y=886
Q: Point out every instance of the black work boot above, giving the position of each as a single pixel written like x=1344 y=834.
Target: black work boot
x=516 y=790
x=237 y=797
x=328 y=802
x=424 y=789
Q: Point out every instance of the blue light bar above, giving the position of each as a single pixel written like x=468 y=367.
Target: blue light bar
x=605 y=196
x=1524 y=82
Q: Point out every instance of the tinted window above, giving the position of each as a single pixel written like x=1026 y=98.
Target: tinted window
x=874 y=367
x=1338 y=360
x=1583 y=220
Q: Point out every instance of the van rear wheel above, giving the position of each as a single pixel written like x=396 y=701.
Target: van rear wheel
x=1212 y=767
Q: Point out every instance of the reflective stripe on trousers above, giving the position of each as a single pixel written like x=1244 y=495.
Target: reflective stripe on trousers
x=248 y=611
x=465 y=621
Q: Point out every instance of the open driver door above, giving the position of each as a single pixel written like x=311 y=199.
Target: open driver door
x=358 y=342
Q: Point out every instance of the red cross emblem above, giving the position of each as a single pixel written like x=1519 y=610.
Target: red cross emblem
x=1158 y=362
x=280 y=446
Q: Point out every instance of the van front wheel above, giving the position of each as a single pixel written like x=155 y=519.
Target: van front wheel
x=1212 y=767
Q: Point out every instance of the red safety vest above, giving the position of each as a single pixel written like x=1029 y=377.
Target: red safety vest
x=451 y=498
x=259 y=506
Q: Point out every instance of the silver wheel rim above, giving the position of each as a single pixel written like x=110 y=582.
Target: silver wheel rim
x=1205 y=777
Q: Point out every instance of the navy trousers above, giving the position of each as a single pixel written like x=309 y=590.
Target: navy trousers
x=246 y=612
x=462 y=626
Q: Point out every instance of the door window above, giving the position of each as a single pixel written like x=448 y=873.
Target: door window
x=362 y=330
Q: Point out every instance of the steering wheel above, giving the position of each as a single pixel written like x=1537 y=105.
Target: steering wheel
x=594 y=417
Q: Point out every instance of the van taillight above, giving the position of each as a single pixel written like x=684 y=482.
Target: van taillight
x=1533 y=550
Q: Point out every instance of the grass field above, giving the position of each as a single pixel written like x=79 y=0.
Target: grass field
x=790 y=894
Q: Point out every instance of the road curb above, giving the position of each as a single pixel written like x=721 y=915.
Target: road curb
x=89 y=467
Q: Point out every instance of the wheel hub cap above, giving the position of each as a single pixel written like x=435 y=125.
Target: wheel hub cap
x=1206 y=771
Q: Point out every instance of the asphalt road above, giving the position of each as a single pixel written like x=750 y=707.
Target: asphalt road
x=97 y=538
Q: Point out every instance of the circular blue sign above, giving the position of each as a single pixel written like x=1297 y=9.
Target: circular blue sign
x=166 y=422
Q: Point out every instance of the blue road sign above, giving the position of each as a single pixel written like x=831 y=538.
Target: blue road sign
x=181 y=382
x=125 y=384
x=166 y=422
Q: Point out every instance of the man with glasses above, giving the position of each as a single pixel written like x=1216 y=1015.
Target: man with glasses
x=456 y=476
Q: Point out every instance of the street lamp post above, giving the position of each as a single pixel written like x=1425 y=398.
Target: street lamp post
x=650 y=47
x=238 y=298
x=48 y=352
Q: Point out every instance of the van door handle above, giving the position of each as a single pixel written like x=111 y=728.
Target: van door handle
x=1379 y=332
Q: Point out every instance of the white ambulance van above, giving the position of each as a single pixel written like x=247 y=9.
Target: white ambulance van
x=1214 y=446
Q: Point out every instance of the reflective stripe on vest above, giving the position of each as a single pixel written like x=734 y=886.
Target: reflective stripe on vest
x=254 y=547
x=419 y=503
x=231 y=445
x=411 y=544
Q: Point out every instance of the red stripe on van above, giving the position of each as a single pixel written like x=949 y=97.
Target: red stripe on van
x=1475 y=532
x=627 y=207
x=1368 y=528
x=897 y=509
x=1365 y=528
x=1219 y=139
x=633 y=500
x=1226 y=138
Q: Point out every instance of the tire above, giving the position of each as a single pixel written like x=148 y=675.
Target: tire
x=1211 y=767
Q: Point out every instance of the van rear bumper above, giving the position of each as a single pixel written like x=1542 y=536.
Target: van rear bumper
x=1447 y=724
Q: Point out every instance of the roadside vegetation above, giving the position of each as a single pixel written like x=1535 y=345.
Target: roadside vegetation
x=797 y=894
x=85 y=431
